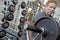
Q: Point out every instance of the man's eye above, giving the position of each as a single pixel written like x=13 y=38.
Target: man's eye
x=52 y=7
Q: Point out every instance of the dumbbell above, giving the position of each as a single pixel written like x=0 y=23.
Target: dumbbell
x=2 y=33
x=9 y=16
x=20 y=26
x=15 y=1
x=24 y=12
x=5 y=24
x=11 y=8
x=23 y=5
x=5 y=2
x=20 y=33
x=22 y=20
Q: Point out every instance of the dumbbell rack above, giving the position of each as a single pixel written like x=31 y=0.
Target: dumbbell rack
x=12 y=30
x=11 y=34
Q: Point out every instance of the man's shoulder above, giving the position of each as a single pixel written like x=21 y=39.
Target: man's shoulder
x=40 y=14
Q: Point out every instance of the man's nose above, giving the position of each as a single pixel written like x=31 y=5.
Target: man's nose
x=53 y=9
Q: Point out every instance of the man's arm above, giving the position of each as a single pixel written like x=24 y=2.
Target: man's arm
x=30 y=32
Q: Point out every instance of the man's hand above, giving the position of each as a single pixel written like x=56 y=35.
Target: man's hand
x=30 y=32
x=30 y=23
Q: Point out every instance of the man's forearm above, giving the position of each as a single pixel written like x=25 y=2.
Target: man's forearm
x=30 y=35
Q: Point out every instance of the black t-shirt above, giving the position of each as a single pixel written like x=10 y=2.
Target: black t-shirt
x=37 y=36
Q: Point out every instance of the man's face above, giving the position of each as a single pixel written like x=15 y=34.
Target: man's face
x=50 y=8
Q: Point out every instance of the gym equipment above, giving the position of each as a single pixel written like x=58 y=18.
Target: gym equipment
x=20 y=33
x=22 y=20
x=23 y=5
x=47 y=27
x=5 y=25
x=9 y=17
x=5 y=2
x=20 y=26
x=11 y=8
x=50 y=26
x=2 y=33
x=15 y=1
x=24 y=12
x=8 y=10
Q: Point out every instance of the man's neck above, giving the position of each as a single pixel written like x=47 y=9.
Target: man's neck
x=47 y=14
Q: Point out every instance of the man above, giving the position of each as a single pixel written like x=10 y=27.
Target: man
x=49 y=9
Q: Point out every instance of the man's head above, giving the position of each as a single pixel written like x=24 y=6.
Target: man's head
x=50 y=7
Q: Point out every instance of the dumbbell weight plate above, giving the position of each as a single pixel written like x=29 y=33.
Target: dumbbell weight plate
x=20 y=26
x=9 y=17
x=15 y=1
x=22 y=20
x=20 y=33
x=5 y=25
x=50 y=25
x=23 y=5
x=11 y=8
x=2 y=33
x=24 y=12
